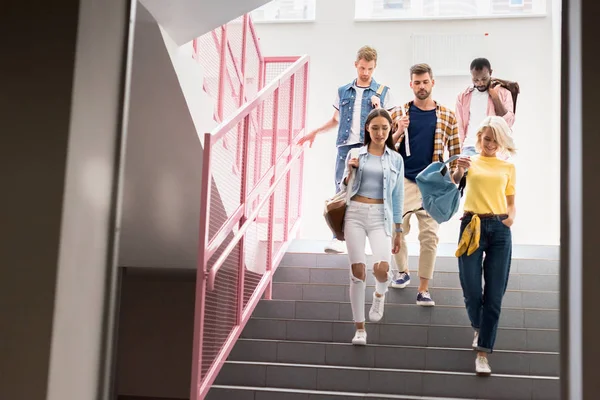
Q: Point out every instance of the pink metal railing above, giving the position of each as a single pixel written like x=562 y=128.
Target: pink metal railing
x=233 y=64
x=248 y=218
x=235 y=69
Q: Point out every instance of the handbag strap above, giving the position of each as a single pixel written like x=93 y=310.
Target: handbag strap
x=350 y=185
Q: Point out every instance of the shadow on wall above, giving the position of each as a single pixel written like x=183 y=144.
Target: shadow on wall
x=156 y=329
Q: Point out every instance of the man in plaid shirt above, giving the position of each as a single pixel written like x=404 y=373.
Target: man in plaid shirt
x=424 y=129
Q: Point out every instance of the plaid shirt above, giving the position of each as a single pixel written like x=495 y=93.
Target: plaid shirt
x=446 y=132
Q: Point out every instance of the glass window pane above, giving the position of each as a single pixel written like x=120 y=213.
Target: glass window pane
x=285 y=10
x=436 y=9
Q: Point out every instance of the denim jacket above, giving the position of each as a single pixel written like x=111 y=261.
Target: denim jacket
x=347 y=94
x=393 y=184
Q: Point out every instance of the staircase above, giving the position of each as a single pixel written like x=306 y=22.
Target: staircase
x=297 y=346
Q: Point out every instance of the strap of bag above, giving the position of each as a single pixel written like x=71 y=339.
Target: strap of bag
x=453 y=158
x=350 y=185
x=380 y=90
x=444 y=168
x=351 y=175
x=462 y=184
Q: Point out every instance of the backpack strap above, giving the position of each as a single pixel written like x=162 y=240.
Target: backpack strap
x=462 y=184
x=444 y=168
x=453 y=158
x=380 y=90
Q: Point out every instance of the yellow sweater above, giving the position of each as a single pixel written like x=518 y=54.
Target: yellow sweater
x=489 y=181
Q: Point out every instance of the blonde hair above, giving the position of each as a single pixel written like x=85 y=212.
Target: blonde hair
x=501 y=132
x=367 y=53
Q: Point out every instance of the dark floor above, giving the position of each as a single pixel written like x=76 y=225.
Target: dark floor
x=145 y=398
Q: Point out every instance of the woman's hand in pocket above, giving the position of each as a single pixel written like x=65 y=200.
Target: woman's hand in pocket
x=397 y=243
x=508 y=222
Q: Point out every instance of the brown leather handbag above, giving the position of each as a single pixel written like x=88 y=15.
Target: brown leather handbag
x=335 y=209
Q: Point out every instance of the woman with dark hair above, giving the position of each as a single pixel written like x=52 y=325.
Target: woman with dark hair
x=374 y=210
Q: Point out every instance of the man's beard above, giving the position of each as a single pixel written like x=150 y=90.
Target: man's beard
x=483 y=88
x=422 y=95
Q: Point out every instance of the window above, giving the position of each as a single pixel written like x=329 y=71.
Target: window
x=393 y=4
x=285 y=11
x=444 y=9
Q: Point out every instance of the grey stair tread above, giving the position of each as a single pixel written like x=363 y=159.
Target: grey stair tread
x=398 y=334
x=442 y=295
x=340 y=275
x=224 y=392
x=390 y=381
x=403 y=313
x=445 y=249
x=297 y=347
x=393 y=356
x=523 y=265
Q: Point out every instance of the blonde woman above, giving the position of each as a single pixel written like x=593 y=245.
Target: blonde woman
x=485 y=230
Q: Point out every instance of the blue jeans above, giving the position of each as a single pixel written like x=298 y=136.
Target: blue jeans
x=340 y=162
x=483 y=307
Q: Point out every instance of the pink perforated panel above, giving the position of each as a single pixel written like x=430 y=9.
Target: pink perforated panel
x=251 y=189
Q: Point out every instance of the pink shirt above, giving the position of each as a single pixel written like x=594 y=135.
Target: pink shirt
x=463 y=107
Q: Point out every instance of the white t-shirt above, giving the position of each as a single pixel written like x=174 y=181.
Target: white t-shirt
x=477 y=113
x=354 y=136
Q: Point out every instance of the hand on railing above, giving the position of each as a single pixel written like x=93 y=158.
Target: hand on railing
x=332 y=123
x=310 y=138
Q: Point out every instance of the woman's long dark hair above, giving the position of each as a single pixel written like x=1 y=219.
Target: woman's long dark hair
x=379 y=112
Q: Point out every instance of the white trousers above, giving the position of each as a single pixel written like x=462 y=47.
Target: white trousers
x=362 y=221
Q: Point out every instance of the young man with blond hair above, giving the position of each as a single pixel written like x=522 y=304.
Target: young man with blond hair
x=352 y=104
x=425 y=129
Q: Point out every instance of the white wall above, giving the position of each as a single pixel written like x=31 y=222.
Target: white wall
x=519 y=49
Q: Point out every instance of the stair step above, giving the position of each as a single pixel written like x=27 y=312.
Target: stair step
x=389 y=356
x=224 y=392
x=442 y=295
x=452 y=336
x=389 y=381
x=403 y=313
x=445 y=264
x=341 y=275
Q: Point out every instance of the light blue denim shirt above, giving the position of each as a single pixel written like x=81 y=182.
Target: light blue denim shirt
x=393 y=184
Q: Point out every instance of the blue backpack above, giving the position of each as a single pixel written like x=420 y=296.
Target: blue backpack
x=441 y=197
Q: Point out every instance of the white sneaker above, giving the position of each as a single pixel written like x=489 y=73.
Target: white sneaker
x=335 y=247
x=482 y=366
x=475 y=340
x=360 y=338
x=376 y=312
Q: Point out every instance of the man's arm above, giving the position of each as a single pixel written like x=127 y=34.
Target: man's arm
x=453 y=143
x=460 y=118
x=503 y=104
x=400 y=123
x=332 y=123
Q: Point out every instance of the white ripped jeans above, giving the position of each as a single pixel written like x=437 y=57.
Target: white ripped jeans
x=364 y=220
